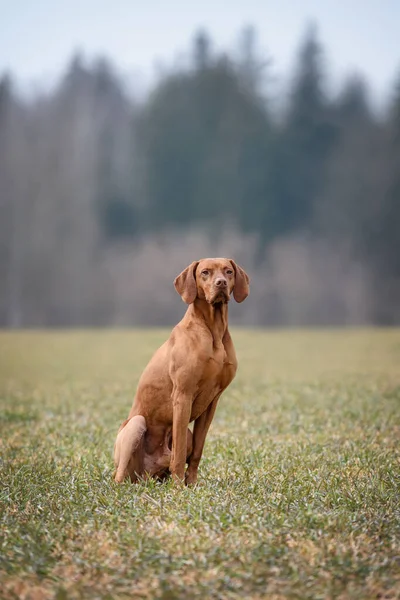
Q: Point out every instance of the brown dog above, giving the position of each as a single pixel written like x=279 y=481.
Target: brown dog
x=184 y=379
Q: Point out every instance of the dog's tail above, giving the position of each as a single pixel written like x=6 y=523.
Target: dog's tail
x=128 y=449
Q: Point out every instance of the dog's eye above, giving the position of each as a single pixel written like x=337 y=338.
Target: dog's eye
x=229 y=272
x=205 y=272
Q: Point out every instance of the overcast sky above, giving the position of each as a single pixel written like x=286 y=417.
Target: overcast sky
x=38 y=37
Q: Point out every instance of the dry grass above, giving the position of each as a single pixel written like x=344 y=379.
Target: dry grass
x=299 y=493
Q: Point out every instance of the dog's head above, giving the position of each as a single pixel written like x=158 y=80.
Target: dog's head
x=213 y=280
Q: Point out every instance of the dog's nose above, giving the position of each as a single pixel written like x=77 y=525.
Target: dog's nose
x=221 y=282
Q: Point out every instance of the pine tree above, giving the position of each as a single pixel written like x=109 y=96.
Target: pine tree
x=304 y=143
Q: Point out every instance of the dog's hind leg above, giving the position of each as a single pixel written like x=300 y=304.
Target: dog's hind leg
x=129 y=449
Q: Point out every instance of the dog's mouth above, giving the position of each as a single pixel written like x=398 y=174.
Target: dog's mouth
x=221 y=297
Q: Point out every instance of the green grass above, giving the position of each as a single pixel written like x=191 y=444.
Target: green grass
x=299 y=486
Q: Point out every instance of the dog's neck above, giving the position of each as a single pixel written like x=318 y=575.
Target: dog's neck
x=215 y=317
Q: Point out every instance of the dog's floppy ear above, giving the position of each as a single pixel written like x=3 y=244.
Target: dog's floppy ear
x=241 y=289
x=185 y=283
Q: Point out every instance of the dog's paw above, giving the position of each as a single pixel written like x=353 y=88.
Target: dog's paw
x=190 y=477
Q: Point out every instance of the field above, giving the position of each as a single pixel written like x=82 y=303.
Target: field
x=299 y=486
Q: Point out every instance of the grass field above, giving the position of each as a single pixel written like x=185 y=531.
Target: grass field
x=299 y=486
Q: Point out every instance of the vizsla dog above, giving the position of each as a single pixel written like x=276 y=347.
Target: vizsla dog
x=184 y=379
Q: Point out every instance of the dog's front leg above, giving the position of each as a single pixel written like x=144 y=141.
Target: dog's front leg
x=200 y=430
x=182 y=407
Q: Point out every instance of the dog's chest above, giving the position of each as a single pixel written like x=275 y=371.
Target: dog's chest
x=218 y=373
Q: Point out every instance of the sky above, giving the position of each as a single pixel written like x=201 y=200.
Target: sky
x=37 y=38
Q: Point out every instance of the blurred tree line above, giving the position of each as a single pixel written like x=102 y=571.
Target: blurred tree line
x=101 y=196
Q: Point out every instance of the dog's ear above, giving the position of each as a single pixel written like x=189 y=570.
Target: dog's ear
x=241 y=289
x=185 y=283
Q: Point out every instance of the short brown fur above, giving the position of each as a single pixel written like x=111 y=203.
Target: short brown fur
x=184 y=379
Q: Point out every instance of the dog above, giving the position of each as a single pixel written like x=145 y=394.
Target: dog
x=184 y=379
